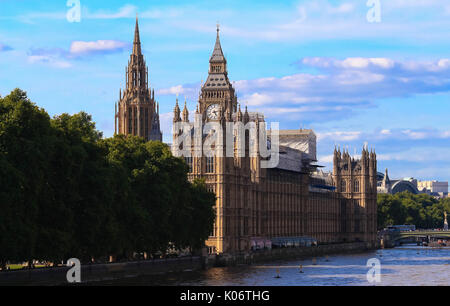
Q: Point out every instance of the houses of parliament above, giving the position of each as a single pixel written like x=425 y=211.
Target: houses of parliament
x=257 y=207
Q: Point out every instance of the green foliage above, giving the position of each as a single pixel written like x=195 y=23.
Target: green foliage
x=421 y=210
x=66 y=192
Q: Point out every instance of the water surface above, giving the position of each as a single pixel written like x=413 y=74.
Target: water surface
x=406 y=265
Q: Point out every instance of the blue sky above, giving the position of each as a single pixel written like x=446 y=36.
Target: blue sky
x=317 y=64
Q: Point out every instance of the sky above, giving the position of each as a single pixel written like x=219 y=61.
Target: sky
x=352 y=75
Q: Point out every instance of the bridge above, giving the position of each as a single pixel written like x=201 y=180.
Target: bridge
x=420 y=234
x=391 y=238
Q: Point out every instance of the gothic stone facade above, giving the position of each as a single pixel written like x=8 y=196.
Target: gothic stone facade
x=286 y=201
x=137 y=112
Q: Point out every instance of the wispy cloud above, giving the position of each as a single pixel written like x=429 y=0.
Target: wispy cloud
x=416 y=153
x=56 y=57
x=338 y=89
x=4 y=48
x=126 y=11
x=189 y=90
x=316 y=20
x=61 y=58
x=79 y=48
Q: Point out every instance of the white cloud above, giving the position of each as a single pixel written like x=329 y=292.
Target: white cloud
x=338 y=89
x=421 y=154
x=339 y=135
x=190 y=91
x=174 y=90
x=61 y=58
x=99 y=46
x=343 y=8
x=326 y=159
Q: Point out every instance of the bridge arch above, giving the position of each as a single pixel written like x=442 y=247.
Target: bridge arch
x=401 y=186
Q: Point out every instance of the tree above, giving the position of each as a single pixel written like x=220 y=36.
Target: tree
x=203 y=203
x=67 y=192
x=82 y=182
x=422 y=210
x=25 y=146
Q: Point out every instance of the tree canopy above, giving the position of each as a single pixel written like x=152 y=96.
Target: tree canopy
x=421 y=210
x=65 y=191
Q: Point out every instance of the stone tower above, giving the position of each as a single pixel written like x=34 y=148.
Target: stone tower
x=137 y=112
x=356 y=183
x=217 y=92
x=230 y=175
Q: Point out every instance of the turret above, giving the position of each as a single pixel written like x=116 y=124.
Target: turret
x=185 y=112
x=176 y=112
x=239 y=114
x=246 y=116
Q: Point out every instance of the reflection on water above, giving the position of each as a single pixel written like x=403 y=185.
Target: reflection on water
x=407 y=265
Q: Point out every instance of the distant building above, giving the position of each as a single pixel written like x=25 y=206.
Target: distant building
x=386 y=185
x=433 y=188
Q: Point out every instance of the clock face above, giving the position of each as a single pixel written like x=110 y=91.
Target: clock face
x=212 y=112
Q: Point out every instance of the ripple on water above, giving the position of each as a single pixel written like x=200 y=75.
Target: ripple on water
x=407 y=265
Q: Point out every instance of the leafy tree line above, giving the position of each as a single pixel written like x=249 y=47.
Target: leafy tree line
x=421 y=210
x=67 y=192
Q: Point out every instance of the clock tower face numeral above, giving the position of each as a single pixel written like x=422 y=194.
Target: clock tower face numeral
x=212 y=112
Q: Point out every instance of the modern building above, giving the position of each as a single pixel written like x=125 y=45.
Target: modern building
x=255 y=204
x=137 y=112
x=432 y=186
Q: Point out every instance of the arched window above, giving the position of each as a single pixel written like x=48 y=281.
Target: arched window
x=356 y=186
x=343 y=186
x=209 y=164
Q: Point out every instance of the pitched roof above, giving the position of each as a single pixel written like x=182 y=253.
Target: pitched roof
x=217 y=55
x=137 y=40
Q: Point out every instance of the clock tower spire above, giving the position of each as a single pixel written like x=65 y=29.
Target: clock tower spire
x=217 y=92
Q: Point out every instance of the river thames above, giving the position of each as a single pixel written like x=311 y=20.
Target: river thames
x=401 y=266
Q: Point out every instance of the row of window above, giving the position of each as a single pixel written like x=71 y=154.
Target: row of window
x=215 y=94
x=210 y=166
x=344 y=188
x=143 y=121
x=137 y=78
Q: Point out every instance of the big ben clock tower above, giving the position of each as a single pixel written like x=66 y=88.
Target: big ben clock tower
x=229 y=177
x=217 y=93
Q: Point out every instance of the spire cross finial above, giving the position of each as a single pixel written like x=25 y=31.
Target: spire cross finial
x=218 y=27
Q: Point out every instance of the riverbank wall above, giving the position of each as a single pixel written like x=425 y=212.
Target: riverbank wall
x=100 y=272
x=290 y=253
x=112 y=271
